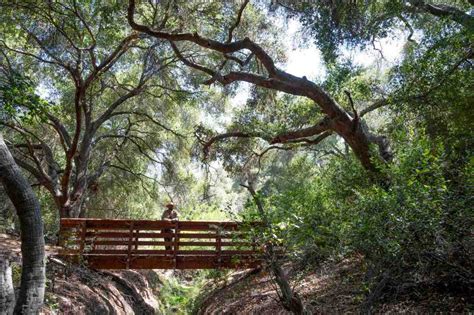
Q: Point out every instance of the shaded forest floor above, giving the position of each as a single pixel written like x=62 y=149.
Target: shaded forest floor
x=329 y=289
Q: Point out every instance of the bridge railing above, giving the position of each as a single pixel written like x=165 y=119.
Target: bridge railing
x=147 y=244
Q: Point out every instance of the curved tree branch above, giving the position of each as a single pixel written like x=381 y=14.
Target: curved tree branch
x=237 y=21
x=444 y=11
x=341 y=122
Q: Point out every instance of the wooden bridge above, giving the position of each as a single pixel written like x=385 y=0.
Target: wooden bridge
x=145 y=244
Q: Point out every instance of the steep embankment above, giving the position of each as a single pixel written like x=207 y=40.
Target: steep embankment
x=84 y=291
x=334 y=288
x=78 y=290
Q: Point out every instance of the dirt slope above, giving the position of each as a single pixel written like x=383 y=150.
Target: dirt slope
x=77 y=290
x=329 y=289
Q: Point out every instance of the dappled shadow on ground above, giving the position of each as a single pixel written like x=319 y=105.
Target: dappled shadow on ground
x=332 y=288
x=10 y=246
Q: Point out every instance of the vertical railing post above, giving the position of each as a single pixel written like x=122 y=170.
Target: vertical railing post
x=94 y=239
x=83 y=237
x=137 y=232
x=218 y=247
x=130 y=243
x=176 y=244
x=61 y=236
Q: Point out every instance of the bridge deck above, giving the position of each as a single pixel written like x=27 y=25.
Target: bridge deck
x=146 y=244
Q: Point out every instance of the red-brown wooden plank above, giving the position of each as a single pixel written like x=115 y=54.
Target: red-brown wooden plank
x=179 y=252
x=208 y=235
x=101 y=234
x=123 y=237
x=195 y=243
x=125 y=243
x=120 y=223
x=125 y=252
x=144 y=235
x=101 y=262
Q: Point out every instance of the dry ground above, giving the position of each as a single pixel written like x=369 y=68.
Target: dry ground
x=75 y=290
x=329 y=289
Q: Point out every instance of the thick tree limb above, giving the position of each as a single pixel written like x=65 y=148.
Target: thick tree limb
x=275 y=79
x=32 y=287
x=235 y=134
x=31 y=169
x=226 y=48
x=297 y=135
x=375 y=105
x=445 y=11
x=61 y=130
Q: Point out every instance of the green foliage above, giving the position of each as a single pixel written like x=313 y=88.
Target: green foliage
x=18 y=98
x=16 y=274
x=182 y=293
x=338 y=25
x=434 y=84
x=319 y=200
x=337 y=210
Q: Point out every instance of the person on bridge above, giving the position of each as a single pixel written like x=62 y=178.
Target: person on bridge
x=170 y=214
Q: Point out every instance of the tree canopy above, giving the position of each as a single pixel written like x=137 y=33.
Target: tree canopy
x=113 y=108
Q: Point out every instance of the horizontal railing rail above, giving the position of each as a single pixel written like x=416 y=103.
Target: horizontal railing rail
x=138 y=244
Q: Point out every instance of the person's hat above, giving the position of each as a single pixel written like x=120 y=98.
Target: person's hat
x=169 y=205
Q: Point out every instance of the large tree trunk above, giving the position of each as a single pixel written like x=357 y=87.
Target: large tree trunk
x=73 y=206
x=7 y=293
x=74 y=194
x=31 y=294
x=70 y=210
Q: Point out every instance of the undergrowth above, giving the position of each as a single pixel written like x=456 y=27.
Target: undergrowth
x=184 y=291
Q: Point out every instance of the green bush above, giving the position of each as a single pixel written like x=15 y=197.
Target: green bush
x=419 y=222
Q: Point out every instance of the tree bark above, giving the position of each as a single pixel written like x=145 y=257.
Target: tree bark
x=7 y=293
x=445 y=11
x=32 y=286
